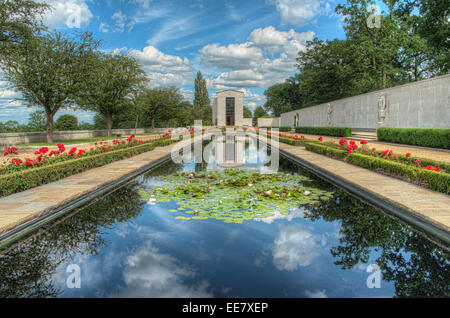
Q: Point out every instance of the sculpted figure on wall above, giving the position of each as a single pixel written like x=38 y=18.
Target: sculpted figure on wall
x=330 y=114
x=296 y=120
x=382 y=108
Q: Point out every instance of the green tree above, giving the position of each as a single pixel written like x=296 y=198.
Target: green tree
x=37 y=120
x=19 y=20
x=283 y=97
x=202 y=103
x=66 y=122
x=247 y=112
x=259 y=112
x=49 y=71
x=172 y=100
x=110 y=85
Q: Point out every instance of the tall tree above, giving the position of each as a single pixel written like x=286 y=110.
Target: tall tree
x=247 y=112
x=19 y=20
x=110 y=84
x=202 y=103
x=49 y=71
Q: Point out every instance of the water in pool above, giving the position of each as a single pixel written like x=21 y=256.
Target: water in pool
x=151 y=239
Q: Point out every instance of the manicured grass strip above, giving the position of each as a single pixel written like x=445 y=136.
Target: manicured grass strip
x=425 y=137
x=31 y=178
x=438 y=181
x=325 y=131
x=70 y=142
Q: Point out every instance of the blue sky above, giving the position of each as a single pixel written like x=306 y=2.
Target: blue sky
x=245 y=45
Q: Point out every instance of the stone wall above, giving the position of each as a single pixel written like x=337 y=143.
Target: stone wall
x=422 y=104
x=269 y=122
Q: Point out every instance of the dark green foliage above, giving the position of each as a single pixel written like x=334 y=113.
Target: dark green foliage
x=326 y=131
x=66 y=122
x=426 y=137
x=280 y=128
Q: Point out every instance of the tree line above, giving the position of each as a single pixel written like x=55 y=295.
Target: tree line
x=54 y=70
x=407 y=41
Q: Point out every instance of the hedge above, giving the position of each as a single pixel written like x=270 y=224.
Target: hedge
x=27 y=179
x=438 y=181
x=426 y=137
x=325 y=131
x=280 y=128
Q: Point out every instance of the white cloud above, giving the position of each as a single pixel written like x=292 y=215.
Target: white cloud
x=315 y=294
x=233 y=56
x=168 y=79
x=154 y=60
x=149 y=273
x=252 y=64
x=273 y=40
x=67 y=14
x=294 y=248
x=299 y=12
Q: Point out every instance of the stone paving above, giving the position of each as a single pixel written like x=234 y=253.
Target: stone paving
x=432 y=205
x=21 y=207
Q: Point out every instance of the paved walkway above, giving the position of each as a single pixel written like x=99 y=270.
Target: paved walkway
x=21 y=207
x=431 y=205
x=421 y=152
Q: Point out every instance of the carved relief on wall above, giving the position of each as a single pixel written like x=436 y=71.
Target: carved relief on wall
x=382 y=109
x=330 y=114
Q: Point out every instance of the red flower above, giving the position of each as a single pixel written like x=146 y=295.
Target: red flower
x=363 y=142
x=320 y=139
x=12 y=150
x=17 y=162
x=61 y=148
x=343 y=141
x=373 y=149
x=354 y=146
x=72 y=151
x=349 y=148
x=408 y=154
x=39 y=158
x=416 y=162
x=80 y=153
x=29 y=162
x=43 y=150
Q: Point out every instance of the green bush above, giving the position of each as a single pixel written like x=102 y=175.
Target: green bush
x=66 y=122
x=280 y=128
x=438 y=181
x=426 y=137
x=27 y=179
x=325 y=131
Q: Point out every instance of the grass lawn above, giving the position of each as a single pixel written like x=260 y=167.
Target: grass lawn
x=69 y=142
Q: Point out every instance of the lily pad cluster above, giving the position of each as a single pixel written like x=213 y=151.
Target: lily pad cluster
x=233 y=195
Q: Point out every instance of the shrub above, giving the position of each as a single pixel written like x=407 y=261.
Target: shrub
x=30 y=178
x=426 y=137
x=437 y=181
x=66 y=122
x=280 y=128
x=326 y=131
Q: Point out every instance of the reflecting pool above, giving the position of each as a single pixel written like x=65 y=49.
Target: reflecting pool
x=143 y=242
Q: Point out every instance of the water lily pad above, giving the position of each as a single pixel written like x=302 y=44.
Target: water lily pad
x=232 y=200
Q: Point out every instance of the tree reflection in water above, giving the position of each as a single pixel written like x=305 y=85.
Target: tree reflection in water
x=26 y=270
x=416 y=266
